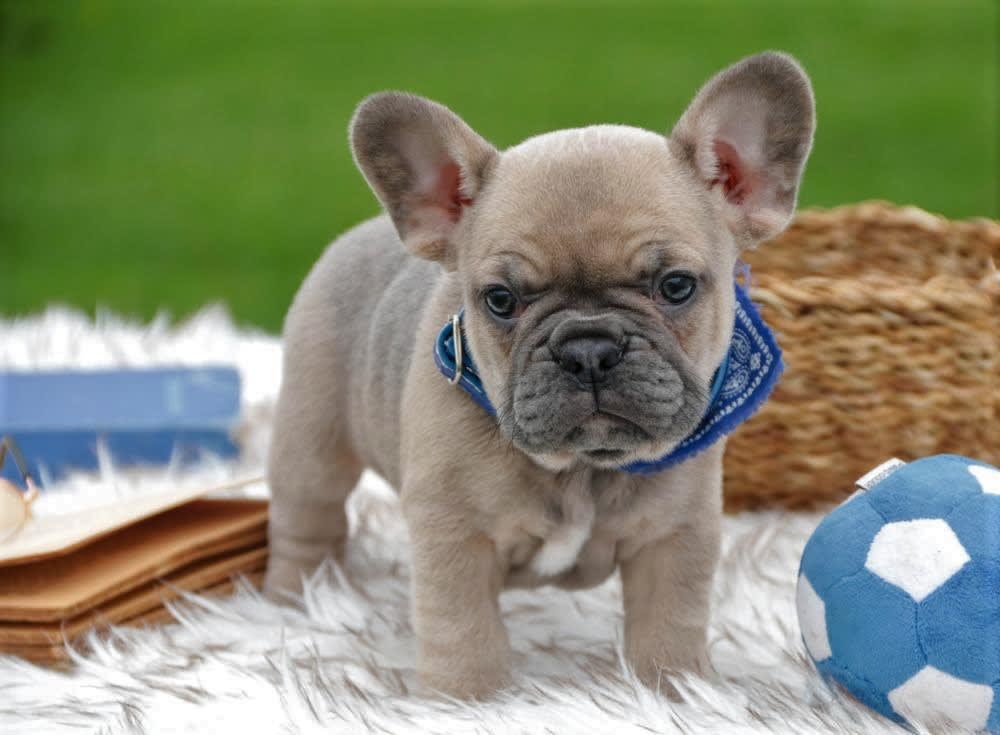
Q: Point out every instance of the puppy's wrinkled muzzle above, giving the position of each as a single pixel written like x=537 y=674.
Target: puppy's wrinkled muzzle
x=600 y=386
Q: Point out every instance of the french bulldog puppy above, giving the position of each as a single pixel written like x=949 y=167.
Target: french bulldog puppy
x=595 y=269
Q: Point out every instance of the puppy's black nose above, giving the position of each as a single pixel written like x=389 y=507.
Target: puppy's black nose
x=589 y=359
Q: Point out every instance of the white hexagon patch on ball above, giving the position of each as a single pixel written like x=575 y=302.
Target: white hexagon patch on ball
x=916 y=556
x=988 y=479
x=812 y=620
x=937 y=699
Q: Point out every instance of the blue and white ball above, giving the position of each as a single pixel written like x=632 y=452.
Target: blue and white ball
x=899 y=594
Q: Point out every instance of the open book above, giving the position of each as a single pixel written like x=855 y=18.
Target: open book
x=63 y=575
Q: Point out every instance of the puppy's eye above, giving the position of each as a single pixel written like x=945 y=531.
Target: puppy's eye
x=501 y=302
x=677 y=288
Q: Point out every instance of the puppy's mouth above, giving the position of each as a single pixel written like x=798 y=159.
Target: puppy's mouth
x=601 y=440
x=604 y=437
x=605 y=455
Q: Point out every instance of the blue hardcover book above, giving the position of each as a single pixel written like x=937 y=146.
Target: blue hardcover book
x=143 y=416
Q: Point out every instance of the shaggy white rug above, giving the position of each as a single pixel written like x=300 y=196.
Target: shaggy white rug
x=342 y=659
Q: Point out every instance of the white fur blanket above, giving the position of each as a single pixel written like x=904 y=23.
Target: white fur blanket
x=342 y=660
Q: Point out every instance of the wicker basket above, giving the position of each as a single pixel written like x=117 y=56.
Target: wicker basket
x=889 y=319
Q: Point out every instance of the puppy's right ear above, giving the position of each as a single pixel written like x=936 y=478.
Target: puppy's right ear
x=424 y=164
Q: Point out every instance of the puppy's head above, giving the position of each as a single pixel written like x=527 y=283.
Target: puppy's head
x=597 y=264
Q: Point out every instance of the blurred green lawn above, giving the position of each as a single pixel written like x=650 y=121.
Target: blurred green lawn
x=169 y=154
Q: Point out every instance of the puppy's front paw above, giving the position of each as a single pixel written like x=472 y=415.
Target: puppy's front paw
x=292 y=560
x=655 y=664
x=283 y=578
x=479 y=677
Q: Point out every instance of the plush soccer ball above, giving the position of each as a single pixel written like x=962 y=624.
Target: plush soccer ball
x=899 y=593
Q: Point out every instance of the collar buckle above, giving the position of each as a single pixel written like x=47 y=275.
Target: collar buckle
x=456 y=331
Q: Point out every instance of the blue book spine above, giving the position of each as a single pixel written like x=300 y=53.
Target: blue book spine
x=143 y=416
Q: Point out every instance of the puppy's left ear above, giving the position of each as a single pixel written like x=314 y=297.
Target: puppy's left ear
x=747 y=135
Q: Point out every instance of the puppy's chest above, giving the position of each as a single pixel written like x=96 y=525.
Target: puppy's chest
x=576 y=537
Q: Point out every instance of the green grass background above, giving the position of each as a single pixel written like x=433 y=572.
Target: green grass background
x=170 y=154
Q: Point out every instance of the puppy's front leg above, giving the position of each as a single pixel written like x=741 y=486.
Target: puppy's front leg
x=666 y=586
x=462 y=646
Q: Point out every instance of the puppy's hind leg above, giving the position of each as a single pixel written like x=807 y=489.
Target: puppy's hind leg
x=311 y=472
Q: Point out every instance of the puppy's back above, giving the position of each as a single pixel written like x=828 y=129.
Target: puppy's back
x=349 y=336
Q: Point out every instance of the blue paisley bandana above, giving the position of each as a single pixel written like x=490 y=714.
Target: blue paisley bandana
x=742 y=383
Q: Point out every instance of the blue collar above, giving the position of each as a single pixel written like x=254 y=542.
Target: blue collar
x=742 y=383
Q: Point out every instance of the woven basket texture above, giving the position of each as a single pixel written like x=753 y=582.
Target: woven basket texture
x=889 y=319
